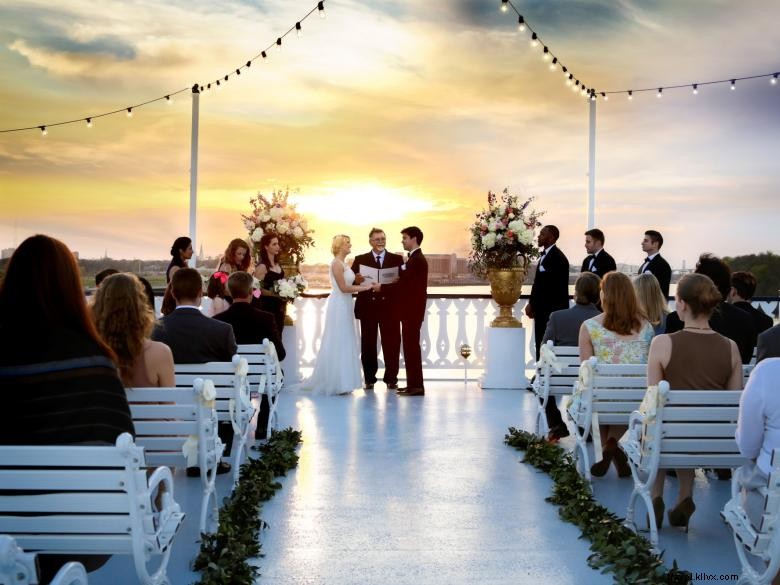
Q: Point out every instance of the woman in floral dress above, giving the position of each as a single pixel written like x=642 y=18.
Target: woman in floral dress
x=620 y=335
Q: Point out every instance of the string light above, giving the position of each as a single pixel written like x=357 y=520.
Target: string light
x=520 y=23
x=168 y=97
x=733 y=84
x=534 y=40
x=630 y=95
x=298 y=29
x=695 y=89
x=546 y=54
x=552 y=65
x=504 y=5
x=773 y=81
x=660 y=93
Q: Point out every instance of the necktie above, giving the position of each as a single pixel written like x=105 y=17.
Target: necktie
x=379 y=260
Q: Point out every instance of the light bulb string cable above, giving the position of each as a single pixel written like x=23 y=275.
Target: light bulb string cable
x=166 y=97
x=696 y=83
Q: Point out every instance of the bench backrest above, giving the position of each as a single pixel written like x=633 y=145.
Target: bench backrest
x=265 y=372
x=559 y=383
x=696 y=429
x=94 y=498
x=230 y=382
x=165 y=418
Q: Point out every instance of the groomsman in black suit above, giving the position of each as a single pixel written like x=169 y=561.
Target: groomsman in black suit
x=411 y=296
x=598 y=260
x=743 y=287
x=550 y=291
x=654 y=262
x=376 y=312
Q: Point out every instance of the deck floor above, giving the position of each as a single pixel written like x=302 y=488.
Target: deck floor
x=422 y=490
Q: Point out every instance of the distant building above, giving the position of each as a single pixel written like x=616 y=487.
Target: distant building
x=7 y=252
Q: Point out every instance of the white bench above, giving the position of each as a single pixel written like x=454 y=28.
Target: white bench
x=264 y=375
x=18 y=567
x=606 y=394
x=556 y=373
x=762 y=541
x=689 y=429
x=232 y=403
x=177 y=427
x=92 y=500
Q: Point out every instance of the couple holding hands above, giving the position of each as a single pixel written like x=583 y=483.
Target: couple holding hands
x=392 y=296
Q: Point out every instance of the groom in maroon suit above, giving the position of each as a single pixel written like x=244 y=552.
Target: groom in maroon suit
x=411 y=297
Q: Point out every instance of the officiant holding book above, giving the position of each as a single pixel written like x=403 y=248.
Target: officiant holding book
x=377 y=311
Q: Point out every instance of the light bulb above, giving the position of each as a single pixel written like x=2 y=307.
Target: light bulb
x=534 y=41
x=695 y=89
x=279 y=44
x=298 y=29
x=321 y=9
x=129 y=112
x=546 y=54
x=265 y=56
x=169 y=101
x=630 y=94
x=504 y=5
x=605 y=96
x=521 y=23
x=660 y=93
x=89 y=122
x=773 y=81
x=733 y=84
x=44 y=132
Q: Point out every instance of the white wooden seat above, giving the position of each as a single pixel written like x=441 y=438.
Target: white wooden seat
x=18 y=567
x=762 y=541
x=556 y=373
x=605 y=394
x=264 y=375
x=232 y=403
x=177 y=427
x=681 y=429
x=91 y=500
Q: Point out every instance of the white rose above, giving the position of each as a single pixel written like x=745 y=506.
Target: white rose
x=492 y=226
x=265 y=217
x=499 y=237
x=297 y=232
x=249 y=225
x=276 y=213
x=489 y=240
x=517 y=226
x=282 y=227
x=257 y=234
x=525 y=236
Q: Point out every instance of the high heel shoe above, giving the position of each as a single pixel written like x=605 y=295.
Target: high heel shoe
x=600 y=468
x=681 y=514
x=658 y=511
x=621 y=463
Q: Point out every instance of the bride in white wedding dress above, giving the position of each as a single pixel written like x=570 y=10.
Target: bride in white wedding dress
x=337 y=367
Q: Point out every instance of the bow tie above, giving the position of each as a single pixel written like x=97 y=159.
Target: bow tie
x=647 y=259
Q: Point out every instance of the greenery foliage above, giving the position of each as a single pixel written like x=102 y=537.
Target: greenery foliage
x=765 y=267
x=223 y=555
x=616 y=549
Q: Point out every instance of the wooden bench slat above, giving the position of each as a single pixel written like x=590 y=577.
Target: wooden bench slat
x=59 y=456
x=185 y=380
x=157 y=411
x=81 y=502
x=178 y=395
x=23 y=479
x=703 y=397
x=67 y=524
x=151 y=444
x=162 y=428
x=689 y=429
x=699 y=445
x=716 y=461
x=64 y=544
x=698 y=414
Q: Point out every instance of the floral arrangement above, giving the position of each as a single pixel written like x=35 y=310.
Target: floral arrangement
x=290 y=288
x=279 y=217
x=503 y=235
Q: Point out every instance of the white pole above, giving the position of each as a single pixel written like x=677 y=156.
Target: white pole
x=194 y=173
x=592 y=166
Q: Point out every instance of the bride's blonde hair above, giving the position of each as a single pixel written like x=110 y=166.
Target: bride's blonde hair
x=338 y=241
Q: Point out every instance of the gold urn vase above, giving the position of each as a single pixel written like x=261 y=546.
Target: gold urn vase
x=290 y=269
x=505 y=288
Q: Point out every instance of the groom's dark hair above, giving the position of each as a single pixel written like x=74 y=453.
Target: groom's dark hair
x=414 y=232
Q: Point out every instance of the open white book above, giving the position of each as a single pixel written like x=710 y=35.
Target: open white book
x=380 y=275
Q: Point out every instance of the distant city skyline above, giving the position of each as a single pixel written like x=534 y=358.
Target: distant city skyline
x=391 y=114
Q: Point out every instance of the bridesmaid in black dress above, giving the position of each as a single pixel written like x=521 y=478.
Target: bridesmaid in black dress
x=181 y=251
x=268 y=271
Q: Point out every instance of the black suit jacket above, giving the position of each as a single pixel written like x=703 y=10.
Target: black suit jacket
x=661 y=270
x=768 y=344
x=195 y=338
x=251 y=325
x=550 y=291
x=761 y=321
x=411 y=291
x=371 y=305
x=730 y=322
x=604 y=263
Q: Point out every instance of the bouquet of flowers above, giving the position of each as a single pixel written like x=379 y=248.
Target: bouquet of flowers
x=290 y=288
x=503 y=235
x=279 y=217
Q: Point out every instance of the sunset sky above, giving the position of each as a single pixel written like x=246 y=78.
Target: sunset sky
x=390 y=113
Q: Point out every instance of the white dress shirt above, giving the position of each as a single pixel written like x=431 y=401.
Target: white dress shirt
x=646 y=263
x=758 y=426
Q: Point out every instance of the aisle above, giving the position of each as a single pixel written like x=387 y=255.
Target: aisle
x=399 y=491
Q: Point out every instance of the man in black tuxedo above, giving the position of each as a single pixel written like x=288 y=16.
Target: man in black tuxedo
x=411 y=297
x=195 y=338
x=743 y=287
x=727 y=319
x=654 y=262
x=377 y=312
x=598 y=260
x=550 y=291
x=251 y=325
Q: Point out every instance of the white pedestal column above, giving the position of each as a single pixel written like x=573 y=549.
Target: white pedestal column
x=504 y=359
x=290 y=362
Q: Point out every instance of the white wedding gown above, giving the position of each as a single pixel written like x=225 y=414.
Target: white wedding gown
x=337 y=367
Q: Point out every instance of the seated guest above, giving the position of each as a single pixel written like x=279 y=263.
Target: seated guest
x=652 y=301
x=695 y=358
x=215 y=302
x=124 y=320
x=758 y=434
x=251 y=325
x=59 y=378
x=103 y=274
x=768 y=344
x=195 y=338
x=563 y=329
x=743 y=287
x=620 y=335
x=726 y=319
